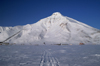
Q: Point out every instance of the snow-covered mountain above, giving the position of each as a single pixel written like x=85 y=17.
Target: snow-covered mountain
x=51 y=30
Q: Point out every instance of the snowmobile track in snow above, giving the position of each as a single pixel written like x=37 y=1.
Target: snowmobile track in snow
x=48 y=60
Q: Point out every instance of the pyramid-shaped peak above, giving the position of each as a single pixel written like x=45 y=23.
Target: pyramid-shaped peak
x=56 y=13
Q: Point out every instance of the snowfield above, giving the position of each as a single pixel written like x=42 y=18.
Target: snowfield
x=54 y=29
x=50 y=55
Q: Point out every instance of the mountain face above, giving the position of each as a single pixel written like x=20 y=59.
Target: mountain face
x=51 y=30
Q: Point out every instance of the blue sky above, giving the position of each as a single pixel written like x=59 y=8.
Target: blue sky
x=22 y=12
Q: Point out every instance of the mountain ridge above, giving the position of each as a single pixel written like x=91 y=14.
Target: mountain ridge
x=54 y=29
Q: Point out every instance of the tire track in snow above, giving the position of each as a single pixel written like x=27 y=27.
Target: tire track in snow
x=48 y=60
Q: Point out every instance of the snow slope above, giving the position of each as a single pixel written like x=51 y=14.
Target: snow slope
x=51 y=30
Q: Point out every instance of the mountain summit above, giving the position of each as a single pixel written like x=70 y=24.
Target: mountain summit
x=57 y=13
x=54 y=29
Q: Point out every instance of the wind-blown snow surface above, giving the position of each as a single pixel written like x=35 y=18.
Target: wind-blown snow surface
x=53 y=55
x=51 y=30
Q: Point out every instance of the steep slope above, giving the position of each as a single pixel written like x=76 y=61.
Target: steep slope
x=7 y=32
x=52 y=30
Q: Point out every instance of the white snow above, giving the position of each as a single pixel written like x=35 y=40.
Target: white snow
x=30 y=55
x=54 y=29
x=62 y=51
x=97 y=55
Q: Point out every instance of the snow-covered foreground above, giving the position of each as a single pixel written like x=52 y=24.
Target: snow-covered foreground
x=50 y=55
